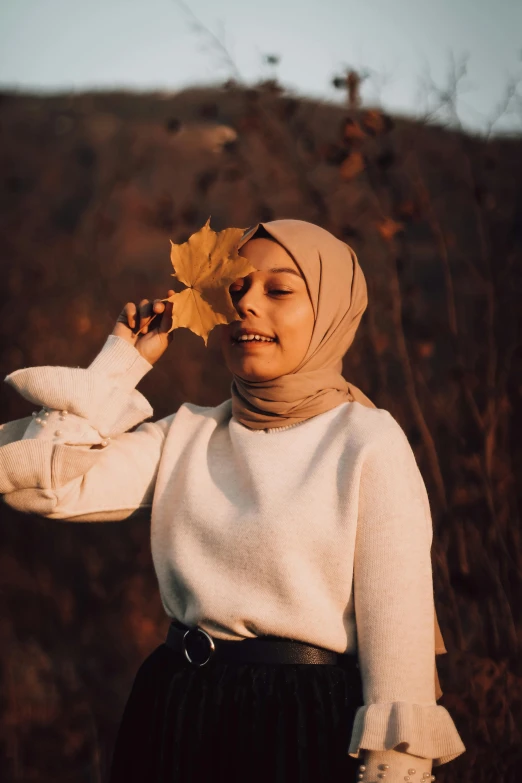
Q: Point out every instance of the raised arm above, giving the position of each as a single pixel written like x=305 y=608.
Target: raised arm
x=75 y=459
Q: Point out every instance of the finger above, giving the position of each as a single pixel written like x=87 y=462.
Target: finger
x=128 y=315
x=143 y=312
x=154 y=322
x=138 y=316
x=160 y=304
x=166 y=321
x=144 y=306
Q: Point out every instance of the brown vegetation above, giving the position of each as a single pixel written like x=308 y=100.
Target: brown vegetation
x=93 y=187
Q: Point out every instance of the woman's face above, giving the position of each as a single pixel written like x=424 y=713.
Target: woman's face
x=273 y=301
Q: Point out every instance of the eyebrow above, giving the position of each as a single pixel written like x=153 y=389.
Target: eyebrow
x=285 y=269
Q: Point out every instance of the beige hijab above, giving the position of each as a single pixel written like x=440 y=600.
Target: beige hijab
x=337 y=289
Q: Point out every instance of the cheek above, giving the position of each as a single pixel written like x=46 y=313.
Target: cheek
x=299 y=326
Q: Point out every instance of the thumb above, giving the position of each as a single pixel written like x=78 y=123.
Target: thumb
x=166 y=320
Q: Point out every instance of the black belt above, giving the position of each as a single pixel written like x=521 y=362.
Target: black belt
x=199 y=647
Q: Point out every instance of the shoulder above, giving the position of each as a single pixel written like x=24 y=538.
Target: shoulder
x=379 y=442
x=198 y=415
x=387 y=458
x=372 y=427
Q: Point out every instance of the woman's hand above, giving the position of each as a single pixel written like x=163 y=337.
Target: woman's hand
x=152 y=320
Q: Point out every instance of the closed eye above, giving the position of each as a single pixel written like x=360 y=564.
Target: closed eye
x=273 y=291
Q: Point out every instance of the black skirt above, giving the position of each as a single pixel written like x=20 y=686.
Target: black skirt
x=239 y=723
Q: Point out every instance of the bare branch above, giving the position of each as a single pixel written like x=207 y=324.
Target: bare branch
x=217 y=42
x=445 y=101
x=446 y=97
x=506 y=105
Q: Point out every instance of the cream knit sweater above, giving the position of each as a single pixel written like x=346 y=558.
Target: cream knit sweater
x=294 y=531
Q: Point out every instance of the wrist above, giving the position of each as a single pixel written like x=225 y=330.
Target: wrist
x=121 y=361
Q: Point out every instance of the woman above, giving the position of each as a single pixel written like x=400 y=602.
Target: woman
x=290 y=532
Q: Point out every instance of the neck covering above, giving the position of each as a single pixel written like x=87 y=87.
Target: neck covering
x=338 y=293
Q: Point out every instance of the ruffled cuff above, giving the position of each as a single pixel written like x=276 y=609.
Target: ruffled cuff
x=102 y=394
x=426 y=729
x=396 y=766
x=69 y=428
x=39 y=464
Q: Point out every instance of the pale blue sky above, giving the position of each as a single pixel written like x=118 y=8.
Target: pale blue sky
x=57 y=45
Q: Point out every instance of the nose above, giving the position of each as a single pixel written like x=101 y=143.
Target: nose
x=245 y=302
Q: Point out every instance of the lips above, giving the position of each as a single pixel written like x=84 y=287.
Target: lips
x=263 y=341
x=251 y=333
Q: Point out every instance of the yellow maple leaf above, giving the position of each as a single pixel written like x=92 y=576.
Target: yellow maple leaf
x=208 y=263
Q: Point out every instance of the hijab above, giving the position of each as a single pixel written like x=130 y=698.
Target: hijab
x=337 y=290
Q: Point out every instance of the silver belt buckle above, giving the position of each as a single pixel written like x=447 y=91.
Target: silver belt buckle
x=204 y=634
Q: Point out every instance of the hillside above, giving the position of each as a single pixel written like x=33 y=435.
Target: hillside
x=93 y=187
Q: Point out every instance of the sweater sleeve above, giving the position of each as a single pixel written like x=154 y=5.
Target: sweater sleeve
x=394 y=609
x=396 y=766
x=76 y=460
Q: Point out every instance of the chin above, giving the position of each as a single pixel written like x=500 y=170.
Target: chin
x=252 y=373
x=252 y=377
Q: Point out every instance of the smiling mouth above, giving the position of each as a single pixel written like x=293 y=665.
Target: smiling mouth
x=251 y=337
x=252 y=343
